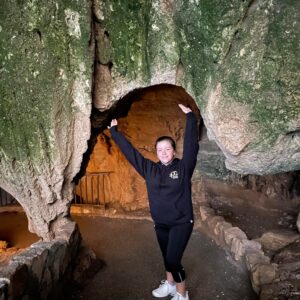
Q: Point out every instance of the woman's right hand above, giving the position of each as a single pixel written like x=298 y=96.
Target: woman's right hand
x=185 y=109
x=113 y=122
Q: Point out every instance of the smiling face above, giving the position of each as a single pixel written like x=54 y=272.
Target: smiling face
x=164 y=151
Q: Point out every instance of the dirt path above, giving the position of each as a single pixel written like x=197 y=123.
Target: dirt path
x=133 y=264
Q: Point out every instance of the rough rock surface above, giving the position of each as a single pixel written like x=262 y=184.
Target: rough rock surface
x=239 y=60
x=277 y=239
x=290 y=254
x=287 y=283
x=45 y=105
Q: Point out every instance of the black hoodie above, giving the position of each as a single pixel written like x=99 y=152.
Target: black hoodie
x=168 y=186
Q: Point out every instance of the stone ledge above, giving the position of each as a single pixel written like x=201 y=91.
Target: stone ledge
x=87 y=209
x=263 y=273
x=95 y=210
x=40 y=271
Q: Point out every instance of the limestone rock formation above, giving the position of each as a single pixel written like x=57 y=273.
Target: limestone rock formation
x=238 y=59
x=45 y=105
x=277 y=239
x=287 y=284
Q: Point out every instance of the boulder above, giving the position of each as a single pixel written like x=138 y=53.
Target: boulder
x=233 y=233
x=255 y=257
x=263 y=274
x=206 y=212
x=277 y=239
x=289 y=254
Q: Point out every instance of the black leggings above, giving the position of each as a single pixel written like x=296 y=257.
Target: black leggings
x=172 y=241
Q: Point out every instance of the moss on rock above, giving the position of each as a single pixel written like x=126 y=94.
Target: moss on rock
x=38 y=58
x=261 y=68
x=126 y=24
x=204 y=33
x=141 y=35
x=247 y=51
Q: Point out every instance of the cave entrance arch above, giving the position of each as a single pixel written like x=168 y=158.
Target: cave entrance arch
x=143 y=115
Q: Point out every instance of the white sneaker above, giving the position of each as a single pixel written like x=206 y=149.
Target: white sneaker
x=178 y=296
x=165 y=289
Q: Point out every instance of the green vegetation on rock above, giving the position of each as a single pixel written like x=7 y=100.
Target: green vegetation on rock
x=262 y=68
x=141 y=39
x=39 y=58
x=204 y=33
x=126 y=23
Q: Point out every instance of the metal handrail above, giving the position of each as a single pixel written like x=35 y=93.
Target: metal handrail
x=84 y=191
x=91 y=189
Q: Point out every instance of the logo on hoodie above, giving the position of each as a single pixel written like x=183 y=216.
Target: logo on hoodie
x=174 y=175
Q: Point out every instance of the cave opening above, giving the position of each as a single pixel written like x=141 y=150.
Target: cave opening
x=106 y=178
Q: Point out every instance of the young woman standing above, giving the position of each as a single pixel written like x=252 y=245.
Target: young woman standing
x=169 y=191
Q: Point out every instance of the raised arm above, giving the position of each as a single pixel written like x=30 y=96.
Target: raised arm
x=190 y=144
x=135 y=158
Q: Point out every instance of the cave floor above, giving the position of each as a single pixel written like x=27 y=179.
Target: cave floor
x=133 y=264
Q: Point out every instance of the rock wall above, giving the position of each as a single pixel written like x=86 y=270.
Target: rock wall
x=237 y=59
x=45 y=105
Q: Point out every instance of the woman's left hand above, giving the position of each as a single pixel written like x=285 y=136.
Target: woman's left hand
x=185 y=109
x=113 y=122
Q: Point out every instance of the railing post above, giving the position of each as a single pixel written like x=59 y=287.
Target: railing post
x=100 y=185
